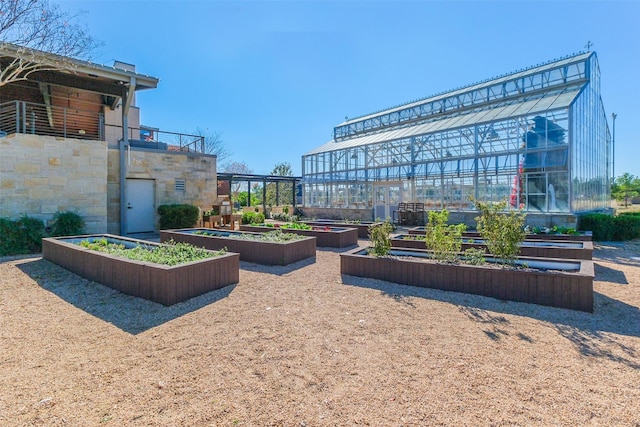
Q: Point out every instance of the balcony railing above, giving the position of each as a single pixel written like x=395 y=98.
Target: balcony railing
x=41 y=119
x=152 y=138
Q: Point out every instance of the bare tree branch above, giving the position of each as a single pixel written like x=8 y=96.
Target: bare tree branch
x=213 y=144
x=31 y=29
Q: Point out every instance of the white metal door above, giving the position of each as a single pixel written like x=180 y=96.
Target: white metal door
x=141 y=205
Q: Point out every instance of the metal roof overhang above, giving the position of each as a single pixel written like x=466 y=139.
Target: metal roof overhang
x=250 y=177
x=84 y=75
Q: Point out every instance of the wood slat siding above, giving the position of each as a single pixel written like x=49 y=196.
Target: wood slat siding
x=363 y=228
x=573 y=290
x=266 y=253
x=166 y=285
x=333 y=239
x=586 y=252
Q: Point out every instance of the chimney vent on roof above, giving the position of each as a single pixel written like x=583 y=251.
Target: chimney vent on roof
x=119 y=65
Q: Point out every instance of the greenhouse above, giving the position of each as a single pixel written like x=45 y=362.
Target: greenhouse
x=537 y=137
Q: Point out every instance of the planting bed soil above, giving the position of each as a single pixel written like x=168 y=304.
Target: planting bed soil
x=163 y=284
x=363 y=226
x=261 y=252
x=332 y=237
x=533 y=248
x=569 y=285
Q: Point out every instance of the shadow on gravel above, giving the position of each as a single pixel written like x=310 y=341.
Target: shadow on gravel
x=278 y=270
x=589 y=333
x=336 y=250
x=610 y=275
x=130 y=314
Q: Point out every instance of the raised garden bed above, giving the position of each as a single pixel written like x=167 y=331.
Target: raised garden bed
x=580 y=237
x=332 y=237
x=363 y=226
x=163 y=284
x=533 y=248
x=551 y=282
x=252 y=250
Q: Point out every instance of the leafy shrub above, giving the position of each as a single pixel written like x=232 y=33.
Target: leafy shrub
x=247 y=217
x=444 y=240
x=284 y=217
x=379 y=234
x=258 y=218
x=503 y=232
x=23 y=236
x=606 y=227
x=252 y=218
x=66 y=223
x=178 y=216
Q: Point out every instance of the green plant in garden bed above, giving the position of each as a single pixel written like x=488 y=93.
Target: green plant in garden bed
x=551 y=230
x=291 y=226
x=285 y=217
x=445 y=241
x=269 y=236
x=170 y=253
x=503 y=232
x=379 y=234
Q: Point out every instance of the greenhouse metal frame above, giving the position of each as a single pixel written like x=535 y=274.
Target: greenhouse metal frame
x=537 y=137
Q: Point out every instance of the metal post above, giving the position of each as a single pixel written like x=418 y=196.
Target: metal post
x=264 y=197
x=248 y=193
x=18 y=103
x=613 y=155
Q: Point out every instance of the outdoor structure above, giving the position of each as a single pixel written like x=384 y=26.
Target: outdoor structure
x=537 y=137
x=71 y=135
x=268 y=190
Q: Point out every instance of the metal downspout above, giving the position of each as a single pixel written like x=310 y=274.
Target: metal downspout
x=122 y=145
x=127 y=97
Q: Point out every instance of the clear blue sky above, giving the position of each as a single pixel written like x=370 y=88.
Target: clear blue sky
x=275 y=77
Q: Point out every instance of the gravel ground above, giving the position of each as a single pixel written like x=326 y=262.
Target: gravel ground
x=302 y=346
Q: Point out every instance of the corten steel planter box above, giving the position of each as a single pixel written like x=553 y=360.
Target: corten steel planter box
x=573 y=290
x=163 y=284
x=582 y=237
x=267 y=253
x=533 y=248
x=337 y=237
x=363 y=227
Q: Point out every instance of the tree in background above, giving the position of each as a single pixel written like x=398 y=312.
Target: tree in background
x=213 y=144
x=284 y=193
x=237 y=168
x=625 y=187
x=30 y=27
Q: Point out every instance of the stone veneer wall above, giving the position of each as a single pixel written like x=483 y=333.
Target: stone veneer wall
x=199 y=172
x=40 y=175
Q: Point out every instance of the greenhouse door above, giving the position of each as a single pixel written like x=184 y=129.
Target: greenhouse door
x=386 y=199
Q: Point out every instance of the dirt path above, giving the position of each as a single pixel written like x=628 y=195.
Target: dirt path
x=303 y=346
